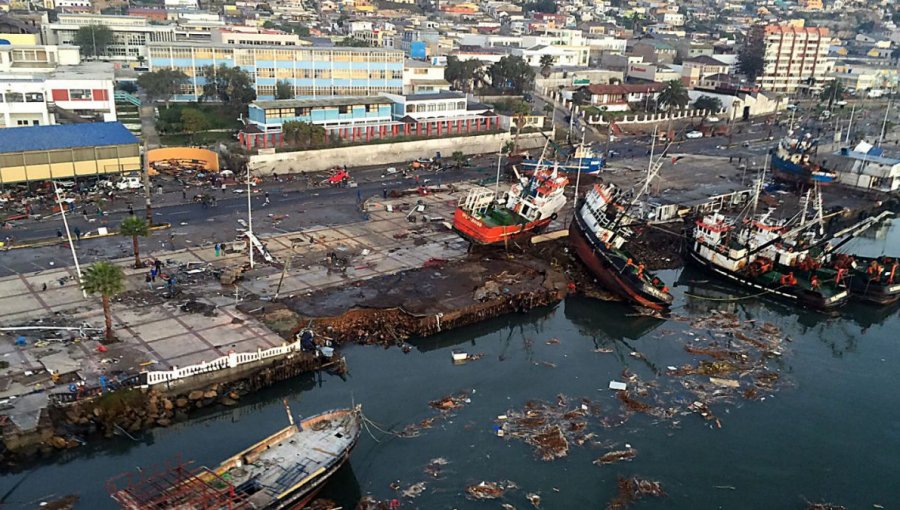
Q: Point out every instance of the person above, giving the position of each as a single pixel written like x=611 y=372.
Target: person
x=183 y=194
x=59 y=234
x=153 y=273
x=78 y=234
x=149 y=280
x=130 y=210
x=158 y=265
x=384 y=192
x=223 y=188
x=171 y=284
x=218 y=248
x=267 y=199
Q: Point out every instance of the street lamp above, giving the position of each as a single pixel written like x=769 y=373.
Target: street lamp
x=62 y=211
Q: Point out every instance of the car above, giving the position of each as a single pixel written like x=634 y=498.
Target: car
x=130 y=182
x=613 y=153
x=694 y=134
x=391 y=170
x=745 y=145
x=712 y=118
x=791 y=107
x=841 y=103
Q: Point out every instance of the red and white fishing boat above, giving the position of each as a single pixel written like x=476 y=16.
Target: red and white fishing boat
x=529 y=206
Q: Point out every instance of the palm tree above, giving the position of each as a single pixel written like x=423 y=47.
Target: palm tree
x=674 y=94
x=134 y=226
x=547 y=62
x=106 y=279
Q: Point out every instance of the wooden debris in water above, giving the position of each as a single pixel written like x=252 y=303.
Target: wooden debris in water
x=489 y=490
x=633 y=489
x=616 y=456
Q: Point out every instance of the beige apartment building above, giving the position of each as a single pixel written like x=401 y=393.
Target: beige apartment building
x=796 y=58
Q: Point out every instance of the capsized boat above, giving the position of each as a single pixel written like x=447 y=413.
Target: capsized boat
x=528 y=207
x=283 y=471
x=597 y=234
x=792 y=161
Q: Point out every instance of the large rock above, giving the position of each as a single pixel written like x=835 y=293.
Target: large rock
x=195 y=395
x=181 y=402
x=167 y=405
x=58 y=442
x=210 y=394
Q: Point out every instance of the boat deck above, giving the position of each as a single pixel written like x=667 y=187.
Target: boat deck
x=296 y=458
x=500 y=217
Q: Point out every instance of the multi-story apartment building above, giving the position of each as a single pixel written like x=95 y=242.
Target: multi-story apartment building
x=795 y=58
x=131 y=34
x=312 y=72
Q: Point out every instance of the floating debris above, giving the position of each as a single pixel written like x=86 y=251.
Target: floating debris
x=413 y=490
x=451 y=402
x=616 y=456
x=824 y=506
x=549 y=428
x=633 y=489
x=550 y=444
x=552 y=341
x=534 y=499
x=434 y=467
x=489 y=490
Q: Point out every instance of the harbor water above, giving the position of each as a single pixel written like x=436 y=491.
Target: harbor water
x=829 y=432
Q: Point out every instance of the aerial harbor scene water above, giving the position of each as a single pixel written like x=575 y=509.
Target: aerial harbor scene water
x=378 y=255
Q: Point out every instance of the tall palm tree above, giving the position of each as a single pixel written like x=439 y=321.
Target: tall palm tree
x=674 y=94
x=547 y=62
x=106 y=279
x=134 y=226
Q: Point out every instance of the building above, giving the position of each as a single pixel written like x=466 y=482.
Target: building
x=615 y=97
x=743 y=105
x=251 y=36
x=570 y=56
x=131 y=34
x=651 y=72
x=39 y=153
x=423 y=78
x=311 y=71
x=866 y=167
x=795 y=58
x=694 y=70
x=70 y=94
x=36 y=59
x=68 y=5
x=370 y=117
x=653 y=50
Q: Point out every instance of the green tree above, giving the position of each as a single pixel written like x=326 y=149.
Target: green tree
x=193 y=121
x=303 y=133
x=548 y=6
x=832 y=92
x=93 y=40
x=751 y=55
x=548 y=109
x=547 y=62
x=512 y=73
x=459 y=159
x=463 y=75
x=230 y=85
x=134 y=226
x=581 y=97
x=108 y=280
x=708 y=103
x=161 y=84
x=283 y=90
x=674 y=94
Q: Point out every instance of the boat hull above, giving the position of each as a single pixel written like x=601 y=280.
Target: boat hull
x=303 y=496
x=475 y=231
x=792 y=172
x=610 y=276
x=873 y=292
x=798 y=296
x=587 y=166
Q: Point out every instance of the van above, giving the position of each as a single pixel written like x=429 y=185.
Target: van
x=130 y=182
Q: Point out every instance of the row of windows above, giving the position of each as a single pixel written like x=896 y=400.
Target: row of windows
x=247 y=57
x=18 y=97
x=280 y=113
x=435 y=107
x=69 y=155
x=325 y=74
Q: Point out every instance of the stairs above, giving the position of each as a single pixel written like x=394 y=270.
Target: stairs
x=124 y=97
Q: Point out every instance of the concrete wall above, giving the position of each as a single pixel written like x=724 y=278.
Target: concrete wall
x=385 y=153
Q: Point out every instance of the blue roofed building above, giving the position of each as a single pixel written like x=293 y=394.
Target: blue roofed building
x=39 y=153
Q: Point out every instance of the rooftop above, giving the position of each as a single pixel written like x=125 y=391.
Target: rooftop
x=435 y=95
x=41 y=138
x=325 y=101
x=206 y=44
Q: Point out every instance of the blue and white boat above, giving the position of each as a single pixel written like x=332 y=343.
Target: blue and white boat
x=792 y=162
x=584 y=159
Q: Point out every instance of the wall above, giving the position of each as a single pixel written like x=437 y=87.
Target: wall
x=382 y=154
x=210 y=158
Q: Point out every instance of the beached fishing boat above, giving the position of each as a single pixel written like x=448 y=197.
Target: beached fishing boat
x=597 y=234
x=528 y=207
x=283 y=471
x=583 y=160
x=873 y=279
x=792 y=162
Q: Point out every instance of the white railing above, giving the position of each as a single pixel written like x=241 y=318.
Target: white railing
x=648 y=117
x=231 y=360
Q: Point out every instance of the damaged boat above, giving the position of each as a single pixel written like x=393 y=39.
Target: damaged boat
x=284 y=470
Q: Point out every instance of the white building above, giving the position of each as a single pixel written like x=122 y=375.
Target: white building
x=71 y=93
x=652 y=72
x=36 y=59
x=423 y=78
x=742 y=104
x=866 y=168
x=562 y=55
x=794 y=56
x=131 y=34
x=255 y=36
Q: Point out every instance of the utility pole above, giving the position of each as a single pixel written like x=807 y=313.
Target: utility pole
x=145 y=174
x=497 y=184
x=884 y=122
x=62 y=210
x=850 y=125
x=249 y=220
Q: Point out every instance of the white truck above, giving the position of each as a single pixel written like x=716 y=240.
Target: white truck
x=129 y=182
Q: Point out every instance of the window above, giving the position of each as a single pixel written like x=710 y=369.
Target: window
x=34 y=97
x=14 y=97
x=323 y=74
x=265 y=72
x=302 y=112
x=343 y=109
x=80 y=94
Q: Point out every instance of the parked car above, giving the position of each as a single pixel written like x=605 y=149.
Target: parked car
x=391 y=170
x=130 y=182
x=712 y=118
x=694 y=134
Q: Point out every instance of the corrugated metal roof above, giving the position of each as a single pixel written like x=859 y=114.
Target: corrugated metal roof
x=41 y=138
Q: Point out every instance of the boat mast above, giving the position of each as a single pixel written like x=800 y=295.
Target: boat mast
x=884 y=122
x=578 y=175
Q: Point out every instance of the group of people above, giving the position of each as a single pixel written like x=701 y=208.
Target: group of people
x=156 y=272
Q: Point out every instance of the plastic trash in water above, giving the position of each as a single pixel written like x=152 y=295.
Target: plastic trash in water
x=618 y=386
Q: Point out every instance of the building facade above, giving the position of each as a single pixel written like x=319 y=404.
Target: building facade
x=795 y=58
x=131 y=34
x=311 y=72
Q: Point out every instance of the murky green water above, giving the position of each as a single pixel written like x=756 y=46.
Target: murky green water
x=831 y=433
